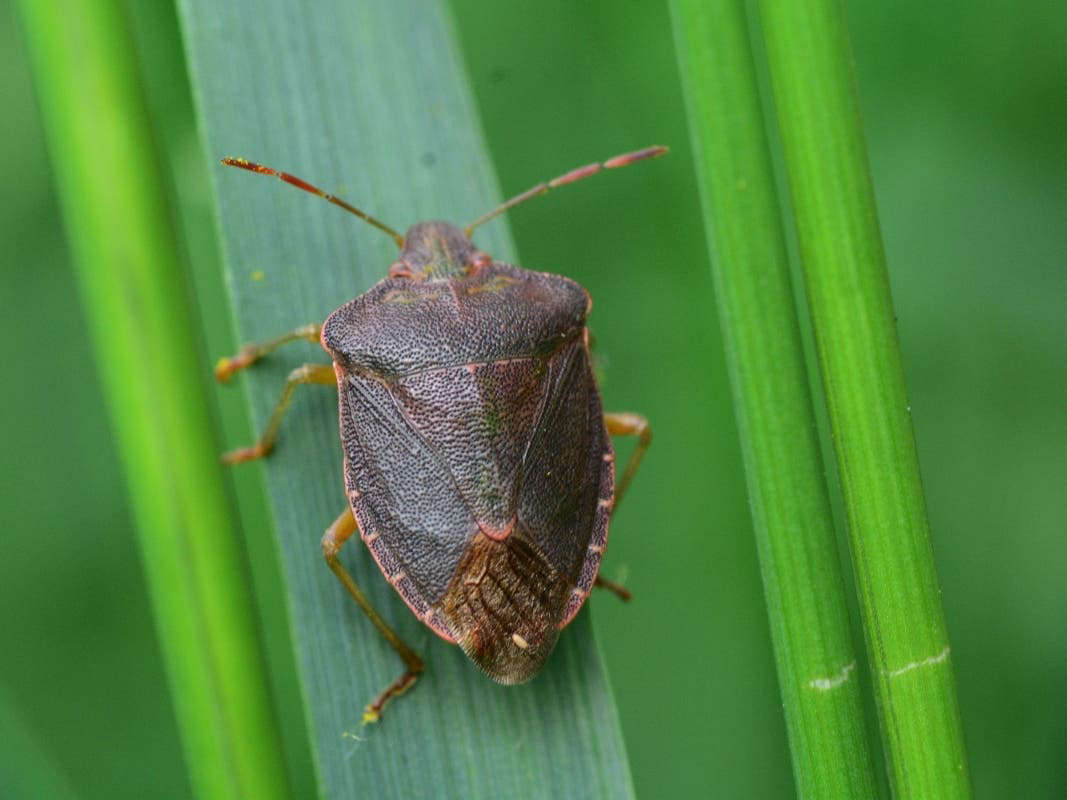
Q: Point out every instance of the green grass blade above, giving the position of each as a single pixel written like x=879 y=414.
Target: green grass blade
x=132 y=284
x=370 y=102
x=790 y=504
x=852 y=313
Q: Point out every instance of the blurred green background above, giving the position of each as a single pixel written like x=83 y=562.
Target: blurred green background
x=965 y=116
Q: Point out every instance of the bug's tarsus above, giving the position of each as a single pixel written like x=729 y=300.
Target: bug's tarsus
x=373 y=712
x=616 y=588
x=623 y=160
x=300 y=183
x=243 y=454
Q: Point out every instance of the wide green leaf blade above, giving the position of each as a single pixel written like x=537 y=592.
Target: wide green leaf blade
x=370 y=102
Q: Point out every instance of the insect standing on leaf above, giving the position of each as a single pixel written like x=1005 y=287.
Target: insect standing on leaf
x=478 y=462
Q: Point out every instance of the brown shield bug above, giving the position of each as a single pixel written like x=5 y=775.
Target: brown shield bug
x=478 y=463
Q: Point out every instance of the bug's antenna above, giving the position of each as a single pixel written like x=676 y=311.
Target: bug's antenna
x=307 y=187
x=570 y=177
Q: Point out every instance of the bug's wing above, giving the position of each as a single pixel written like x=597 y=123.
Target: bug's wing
x=410 y=512
x=568 y=479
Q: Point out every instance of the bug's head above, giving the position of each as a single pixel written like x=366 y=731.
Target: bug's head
x=437 y=251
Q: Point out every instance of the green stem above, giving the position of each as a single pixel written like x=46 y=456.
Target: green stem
x=791 y=513
x=125 y=248
x=852 y=313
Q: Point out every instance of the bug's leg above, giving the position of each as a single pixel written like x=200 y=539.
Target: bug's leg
x=250 y=353
x=629 y=425
x=626 y=425
x=308 y=373
x=336 y=535
x=617 y=588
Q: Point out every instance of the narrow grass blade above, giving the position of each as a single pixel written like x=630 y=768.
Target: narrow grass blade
x=852 y=314
x=370 y=102
x=27 y=767
x=121 y=231
x=790 y=505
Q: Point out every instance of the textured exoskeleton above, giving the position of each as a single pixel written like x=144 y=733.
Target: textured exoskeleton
x=476 y=458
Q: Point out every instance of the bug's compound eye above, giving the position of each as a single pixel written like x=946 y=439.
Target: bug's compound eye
x=399 y=269
x=480 y=260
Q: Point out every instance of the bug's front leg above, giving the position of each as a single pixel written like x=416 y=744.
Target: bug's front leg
x=332 y=541
x=308 y=373
x=250 y=353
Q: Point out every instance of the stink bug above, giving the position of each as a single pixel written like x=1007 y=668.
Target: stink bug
x=478 y=463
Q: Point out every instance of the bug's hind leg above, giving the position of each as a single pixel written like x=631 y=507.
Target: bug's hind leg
x=250 y=353
x=629 y=425
x=336 y=535
x=308 y=373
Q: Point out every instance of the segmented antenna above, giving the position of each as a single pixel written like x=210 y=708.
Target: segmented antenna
x=251 y=166
x=570 y=177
